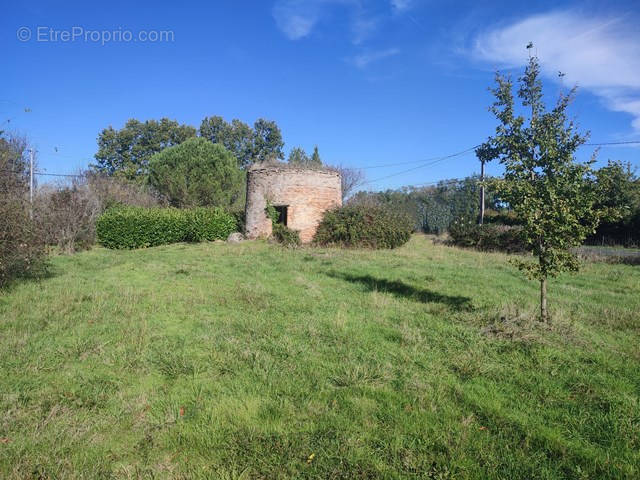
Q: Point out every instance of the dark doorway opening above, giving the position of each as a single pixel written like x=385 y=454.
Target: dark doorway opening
x=282 y=214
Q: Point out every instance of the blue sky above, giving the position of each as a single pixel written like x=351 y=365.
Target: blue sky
x=370 y=82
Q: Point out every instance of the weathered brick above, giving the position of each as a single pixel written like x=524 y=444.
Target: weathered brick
x=307 y=194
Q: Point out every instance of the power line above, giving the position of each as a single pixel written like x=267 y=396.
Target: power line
x=57 y=174
x=631 y=142
x=601 y=144
x=436 y=160
x=45 y=173
x=415 y=161
x=439 y=182
x=439 y=159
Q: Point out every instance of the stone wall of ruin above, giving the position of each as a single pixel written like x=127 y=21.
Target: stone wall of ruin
x=306 y=193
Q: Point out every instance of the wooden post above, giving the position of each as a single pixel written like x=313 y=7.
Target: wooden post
x=544 y=314
x=31 y=183
x=481 y=192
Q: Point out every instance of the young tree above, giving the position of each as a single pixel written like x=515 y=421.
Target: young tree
x=297 y=156
x=197 y=173
x=553 y=195
x=350 y=179
x=315 y=158
x=126 y=152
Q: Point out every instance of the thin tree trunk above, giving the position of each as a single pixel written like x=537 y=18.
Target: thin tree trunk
x=481 y=192
x=544 y=314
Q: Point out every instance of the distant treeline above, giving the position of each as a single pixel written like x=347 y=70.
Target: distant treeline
x=434 y=208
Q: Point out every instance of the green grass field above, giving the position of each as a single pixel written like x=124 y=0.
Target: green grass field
x=253 y=361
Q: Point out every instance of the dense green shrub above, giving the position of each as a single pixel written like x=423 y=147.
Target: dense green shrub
x=209 y=224
x=139 y=227
x=488 y=237
x=501 y=217
x=240 y=218
x=198 y=173
x=284 y=235
x=363 y=226
x=280 y=232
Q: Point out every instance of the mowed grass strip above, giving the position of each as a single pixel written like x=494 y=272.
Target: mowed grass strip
x=254 y=361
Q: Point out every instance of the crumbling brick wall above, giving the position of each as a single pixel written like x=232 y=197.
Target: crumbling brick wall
x=307 y=194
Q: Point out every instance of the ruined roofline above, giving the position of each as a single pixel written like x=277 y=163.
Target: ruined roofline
x=271 y=166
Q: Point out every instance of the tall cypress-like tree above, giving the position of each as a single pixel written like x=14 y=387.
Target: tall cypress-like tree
x=553 y=195
x=315 y=158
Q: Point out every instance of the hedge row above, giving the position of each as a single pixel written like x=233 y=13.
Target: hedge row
x=487 y=237
x=363 y=226
x=139 y=227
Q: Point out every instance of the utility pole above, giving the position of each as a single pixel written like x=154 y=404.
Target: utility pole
x=31 y=182
x=481 y=191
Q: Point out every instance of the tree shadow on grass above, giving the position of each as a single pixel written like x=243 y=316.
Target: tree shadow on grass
x=43 y=272
x=401 y=289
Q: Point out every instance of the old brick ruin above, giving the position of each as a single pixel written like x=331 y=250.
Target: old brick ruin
x=300 y=195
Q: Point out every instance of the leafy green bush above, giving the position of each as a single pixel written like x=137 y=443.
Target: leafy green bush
x=284 y=235
x=364 y=226
x=209 y=224
x=198 y=173
x=501 y=217
x=280 y=232
x=139 y=227
x=487 y=237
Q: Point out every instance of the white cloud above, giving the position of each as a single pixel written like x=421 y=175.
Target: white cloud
x=363 y=27
x=297 y=18
x=599 y=54
x=401 y=5
x=364 y=59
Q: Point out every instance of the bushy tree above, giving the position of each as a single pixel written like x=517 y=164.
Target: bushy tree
x=552 y=194
x=215 y=129
x=268 y=143
x=619 y=196
x=237 y=137
x=126 y=152
x=298 y=157
x=198 y=173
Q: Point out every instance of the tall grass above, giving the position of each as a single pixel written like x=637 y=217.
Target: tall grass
x=255 y=361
